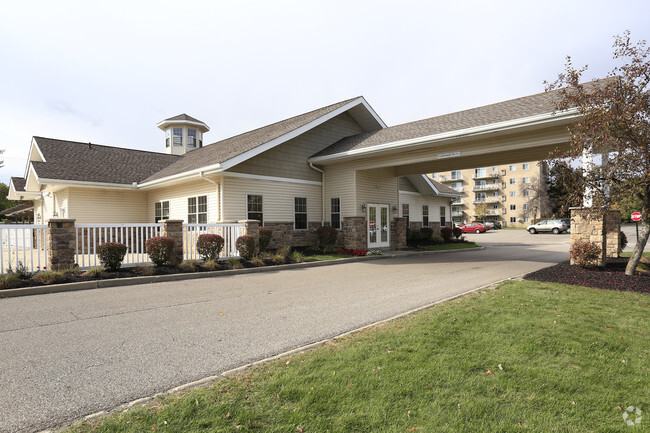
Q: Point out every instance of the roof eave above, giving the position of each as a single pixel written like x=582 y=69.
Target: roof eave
x=166 y=123
x=452 y=135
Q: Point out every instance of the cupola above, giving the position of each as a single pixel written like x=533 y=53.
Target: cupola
x=183 y=134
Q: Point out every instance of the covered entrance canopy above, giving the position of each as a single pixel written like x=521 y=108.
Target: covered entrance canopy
x=518 y=130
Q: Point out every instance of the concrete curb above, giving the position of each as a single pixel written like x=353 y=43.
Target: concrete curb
x=117 y=282
x=210 y=380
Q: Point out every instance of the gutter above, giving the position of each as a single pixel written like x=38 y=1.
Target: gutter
x=322 y=181
x=220 y=187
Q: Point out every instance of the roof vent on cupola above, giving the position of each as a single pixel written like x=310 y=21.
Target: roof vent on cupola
x=183 y=133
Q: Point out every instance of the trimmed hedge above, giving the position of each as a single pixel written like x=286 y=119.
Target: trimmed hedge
x=111 y=255
x=265 y=238
x=246 y=246
x=209 y=246
x=160 y=249
x=584 y=253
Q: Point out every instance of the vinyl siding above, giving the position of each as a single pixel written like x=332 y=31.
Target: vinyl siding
x=376 y=186
x=339 y=182
x=96 y=206
x=405 y=185
x=177 y=196
x=416 y=201
x=290 y=159
x=278 y=199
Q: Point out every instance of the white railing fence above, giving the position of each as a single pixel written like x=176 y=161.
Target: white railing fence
x=90 y=236
x=23 y=245
x=229 y=233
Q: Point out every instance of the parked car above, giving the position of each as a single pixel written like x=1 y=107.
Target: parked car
x=567 y=221
x=473 y=228
x=550 y=226
x=492 y=224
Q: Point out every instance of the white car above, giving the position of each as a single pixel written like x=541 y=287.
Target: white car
x=551 y=226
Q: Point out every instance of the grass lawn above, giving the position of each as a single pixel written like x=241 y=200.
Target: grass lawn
x=528 y=356
x=629 y=254
x=325 y=257
x=450 y=246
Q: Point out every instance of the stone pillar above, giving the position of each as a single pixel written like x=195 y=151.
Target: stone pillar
x=252 y=228
x=601 y=228
x=398 y=233
x=174 y=229
x=355 y=233
x=61 y=245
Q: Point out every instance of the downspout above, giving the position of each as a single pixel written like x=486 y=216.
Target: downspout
x=322 y=181
x=220 y=186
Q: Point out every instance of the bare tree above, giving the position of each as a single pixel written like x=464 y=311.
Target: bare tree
x=538 y=203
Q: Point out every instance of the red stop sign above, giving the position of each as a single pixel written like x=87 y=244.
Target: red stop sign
x=636 y=216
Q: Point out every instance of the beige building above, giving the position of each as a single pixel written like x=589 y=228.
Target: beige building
x=513 y=194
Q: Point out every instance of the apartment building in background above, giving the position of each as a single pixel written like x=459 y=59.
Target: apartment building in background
x=509 y=194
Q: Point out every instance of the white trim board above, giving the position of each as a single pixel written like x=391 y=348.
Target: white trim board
x=270 y=178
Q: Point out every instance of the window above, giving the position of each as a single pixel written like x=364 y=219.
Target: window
x=191 y=138
x=513 y=181
x=335 y=212
x=513 y=193
x=456 y=175
x=425 y=216
x=254 y=207
x=513 y=207
x=527 y=193
x=161 y=210
x=525 y=206
x=526 y=219
x=480 y=197
x=526 y=180
x=197 y=209
x=458 y=186
x=178 y=136
x=479 y=172
x=300 y=213
x=405 y=212
x=513 y=219
x=168 y=137
x=443 y=216
x=525 y=166
x=513 y=167
x=434 y=175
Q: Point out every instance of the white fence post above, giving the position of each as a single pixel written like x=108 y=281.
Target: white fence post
x=23 y=245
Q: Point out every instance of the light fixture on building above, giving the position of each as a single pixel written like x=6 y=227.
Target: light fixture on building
x=363 y=207
x=394 y=208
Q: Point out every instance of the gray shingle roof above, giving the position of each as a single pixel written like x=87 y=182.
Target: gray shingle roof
x=229 y=148
x=183 y=117
x=19 y=183
x=72 y=160
x=444 y=188
x=527 y=106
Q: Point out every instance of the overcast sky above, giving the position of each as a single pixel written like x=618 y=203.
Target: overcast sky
x=108 y=71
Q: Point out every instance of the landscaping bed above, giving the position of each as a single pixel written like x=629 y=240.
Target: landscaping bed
x=610 y=277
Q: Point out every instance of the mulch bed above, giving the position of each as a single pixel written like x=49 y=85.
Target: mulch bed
x=610 y=277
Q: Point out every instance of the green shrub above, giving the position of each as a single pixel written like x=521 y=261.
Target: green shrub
x=584 y=253
x=210 y=265
x=256 y=261
x=96 y=272
x=209 y=246
x=327 y=236
x=21 y=271
x=266 y=234
x=279 y=258
x=246 y=246
x=426 y=233
x=188 y=266
x=446 y=233
x=10 y=281
x=297 y=257
x=235 y=263
x=111 y=255
x=160 y=249
x=49 y=277
x=457 y=232
x=284 y=250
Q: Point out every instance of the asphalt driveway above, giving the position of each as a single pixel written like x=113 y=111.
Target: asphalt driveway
x=67 y=355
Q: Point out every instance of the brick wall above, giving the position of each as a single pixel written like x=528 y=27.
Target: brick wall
x=602 y=229
x=355 y=233
x=61 y=245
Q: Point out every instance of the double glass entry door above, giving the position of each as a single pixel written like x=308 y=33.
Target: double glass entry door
x=378 y=226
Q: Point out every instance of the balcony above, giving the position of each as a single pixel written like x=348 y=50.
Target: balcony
x=450 y=178
x=457 y=213
x=490 y=187
x=491 y=212
x=490 y=175
x=458 y=202
x=487 y=200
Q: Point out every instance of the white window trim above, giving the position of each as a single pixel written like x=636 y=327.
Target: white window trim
x=207 y=208
x=246 y=206
x=162 y=214
x=295 y=213
x=339 y=212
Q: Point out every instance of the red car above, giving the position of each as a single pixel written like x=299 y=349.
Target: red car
x=473 y=228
